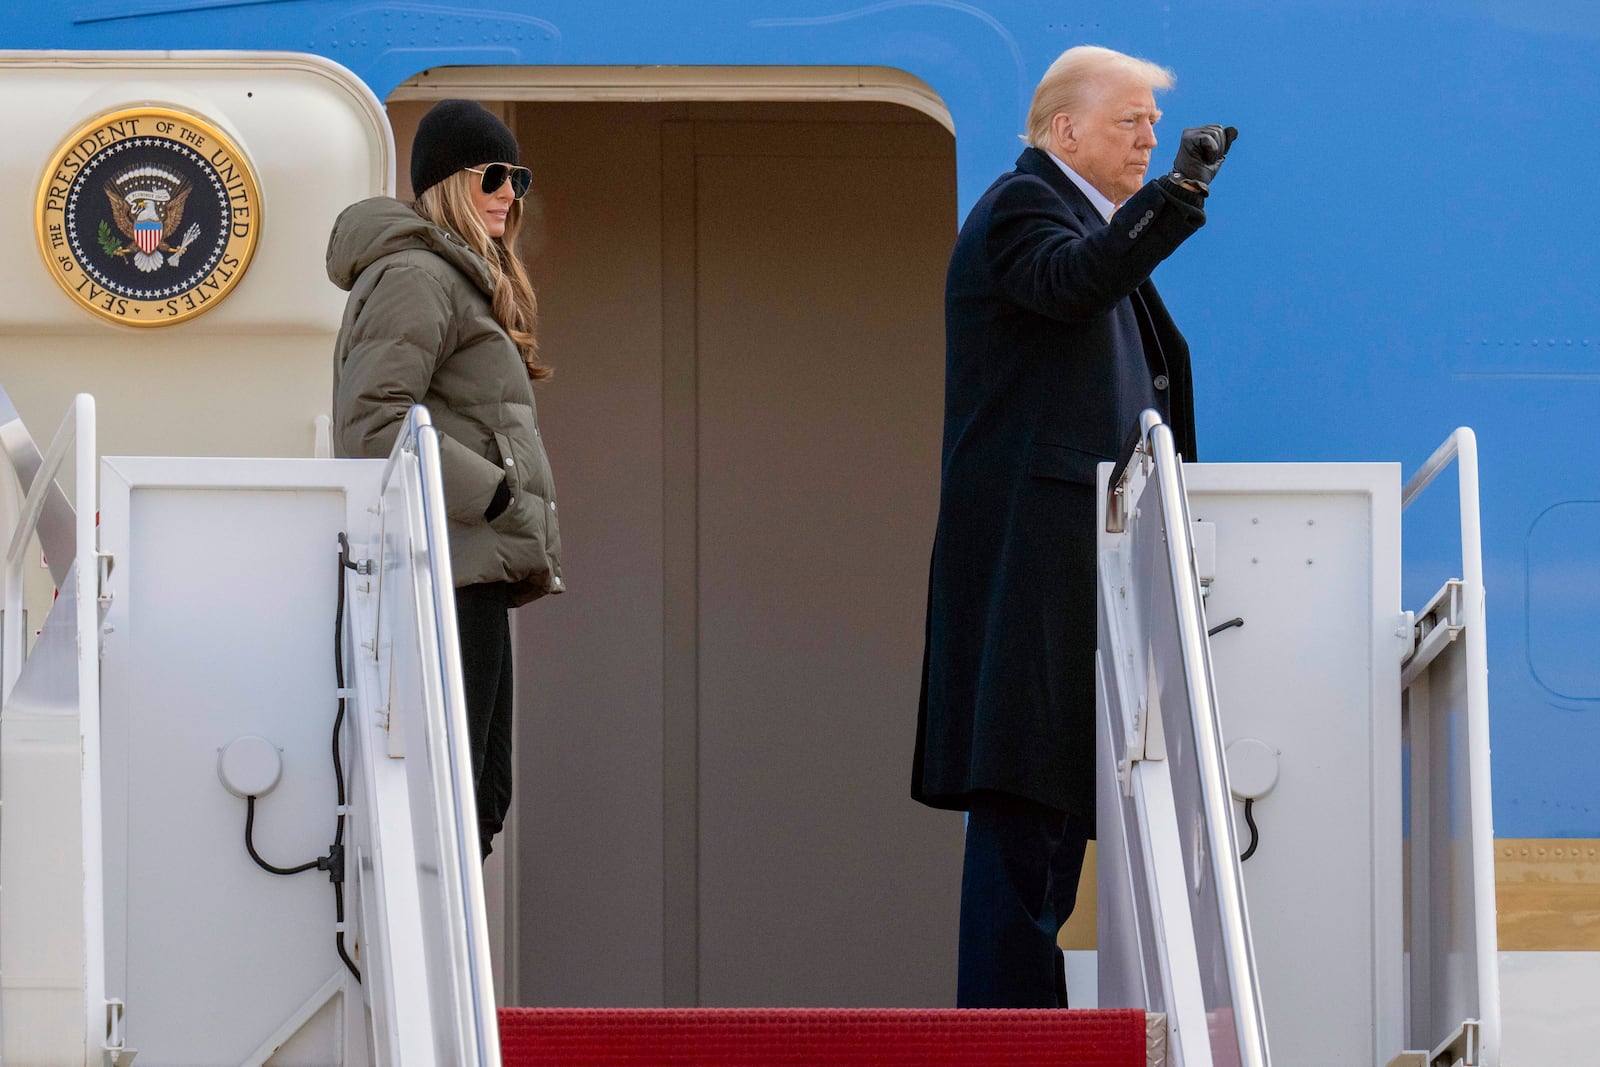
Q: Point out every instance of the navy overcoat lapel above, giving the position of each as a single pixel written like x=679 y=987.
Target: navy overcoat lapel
x=1041 y=165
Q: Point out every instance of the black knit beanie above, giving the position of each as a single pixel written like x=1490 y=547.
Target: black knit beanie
x=456 y=134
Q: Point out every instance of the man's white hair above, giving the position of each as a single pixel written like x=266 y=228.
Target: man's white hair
x=1076 y=77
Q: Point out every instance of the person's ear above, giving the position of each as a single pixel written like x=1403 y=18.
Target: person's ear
x=1062 y=132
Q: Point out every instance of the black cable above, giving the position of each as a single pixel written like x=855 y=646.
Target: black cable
x=249 y=843
x=338 y=938
x=333 y=862
x=1249 y=804
x=1255 y=835
x=336 y=853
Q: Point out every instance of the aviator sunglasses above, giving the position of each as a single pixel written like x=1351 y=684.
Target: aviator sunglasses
x=495 y=175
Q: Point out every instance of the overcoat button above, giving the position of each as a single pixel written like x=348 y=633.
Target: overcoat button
x=1161 y=381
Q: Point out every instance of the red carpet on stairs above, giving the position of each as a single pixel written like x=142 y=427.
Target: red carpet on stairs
x=830 y=1037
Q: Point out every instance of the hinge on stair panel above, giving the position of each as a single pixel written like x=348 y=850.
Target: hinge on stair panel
x=1436 y=625
x=1460 y=1050
x=104 y=563
x=1155 y=1039
x=1148 y=739
x=116 y=1053
x=397 y=741
x=1203 y=539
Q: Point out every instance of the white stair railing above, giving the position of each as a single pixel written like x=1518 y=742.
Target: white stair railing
x=50 y=736
x=1174 y=929
x=412 y=667
x=1454 y=944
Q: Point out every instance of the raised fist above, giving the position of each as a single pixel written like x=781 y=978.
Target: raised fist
x=1201 y=151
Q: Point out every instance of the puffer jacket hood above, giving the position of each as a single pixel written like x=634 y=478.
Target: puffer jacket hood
x=368 y=230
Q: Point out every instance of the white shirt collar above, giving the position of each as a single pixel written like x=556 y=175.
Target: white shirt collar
x=1101 y=204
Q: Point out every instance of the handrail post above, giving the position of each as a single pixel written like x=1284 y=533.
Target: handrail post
x=88 y=627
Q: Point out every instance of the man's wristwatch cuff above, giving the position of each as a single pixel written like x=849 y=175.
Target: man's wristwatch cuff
x=1189 y=185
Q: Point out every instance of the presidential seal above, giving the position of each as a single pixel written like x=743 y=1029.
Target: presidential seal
x=148 y=216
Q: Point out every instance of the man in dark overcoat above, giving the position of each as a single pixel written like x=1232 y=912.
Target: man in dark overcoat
x=1055 y=341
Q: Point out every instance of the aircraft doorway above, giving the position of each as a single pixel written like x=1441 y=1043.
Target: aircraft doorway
x=743 y=304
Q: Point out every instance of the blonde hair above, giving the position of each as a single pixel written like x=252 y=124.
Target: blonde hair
x=513 y=304
x=1074 y=79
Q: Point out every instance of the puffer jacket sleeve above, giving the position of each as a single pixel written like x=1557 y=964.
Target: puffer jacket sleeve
x=401 y=334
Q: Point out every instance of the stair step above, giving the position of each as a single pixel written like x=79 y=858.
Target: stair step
x=835 y=1037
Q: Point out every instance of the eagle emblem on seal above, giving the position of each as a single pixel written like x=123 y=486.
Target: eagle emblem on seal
x=147 y=204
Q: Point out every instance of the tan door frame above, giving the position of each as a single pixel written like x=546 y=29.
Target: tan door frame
x=671 y=84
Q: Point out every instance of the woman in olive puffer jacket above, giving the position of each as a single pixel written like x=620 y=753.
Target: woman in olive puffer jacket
x=441 y=313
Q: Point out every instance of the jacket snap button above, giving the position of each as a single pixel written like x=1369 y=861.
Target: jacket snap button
x=510 y=462
x=1161 y=381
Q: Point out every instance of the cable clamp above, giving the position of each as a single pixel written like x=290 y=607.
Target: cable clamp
x=338 y=927
x=341 y=809
x=345 y=692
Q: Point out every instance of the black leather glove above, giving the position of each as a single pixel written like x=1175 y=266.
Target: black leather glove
x=1201 y=151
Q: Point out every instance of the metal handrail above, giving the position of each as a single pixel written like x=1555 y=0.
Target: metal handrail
x=418 y=438
x=1249 y=1027
x=55 y=524
x=1462 y=448
x=43 y=498
x=44 y=479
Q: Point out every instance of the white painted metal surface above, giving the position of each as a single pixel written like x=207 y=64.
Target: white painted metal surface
x=1550 y=1001
x=221 y=625
x=1308 y=555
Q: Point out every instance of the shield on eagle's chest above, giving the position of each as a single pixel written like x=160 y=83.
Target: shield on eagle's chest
x=147 y=234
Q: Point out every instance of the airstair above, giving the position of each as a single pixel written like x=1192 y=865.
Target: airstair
x=1260 y=681
x=238 y=823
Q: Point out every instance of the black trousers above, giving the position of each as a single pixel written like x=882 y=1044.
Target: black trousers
x=1019 y=882
x=483 y=623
